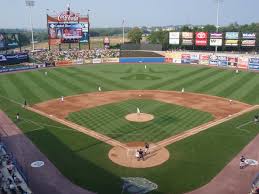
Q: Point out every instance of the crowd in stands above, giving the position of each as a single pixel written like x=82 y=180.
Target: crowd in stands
x=73 y=54
x=11 y=180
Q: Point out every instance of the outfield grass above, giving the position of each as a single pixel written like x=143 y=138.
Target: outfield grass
x=84 y=160
x=169 y=120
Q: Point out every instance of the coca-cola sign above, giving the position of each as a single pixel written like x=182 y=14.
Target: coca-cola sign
x=72 y=17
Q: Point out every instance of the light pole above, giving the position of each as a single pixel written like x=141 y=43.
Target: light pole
x=217 y=25
x=123 y=31
x=89 y=37
x=31 y=4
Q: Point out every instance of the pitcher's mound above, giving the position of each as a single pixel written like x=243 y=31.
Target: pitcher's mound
x=155 y=156
x=141 y=117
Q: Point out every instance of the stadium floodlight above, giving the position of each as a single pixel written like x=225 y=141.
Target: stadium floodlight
x=31 y=4
x=217 y=25
x=123 y=31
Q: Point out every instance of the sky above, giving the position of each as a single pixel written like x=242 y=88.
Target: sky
x=110 y=13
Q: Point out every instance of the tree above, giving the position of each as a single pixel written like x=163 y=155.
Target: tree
x=159 y=37
x=135 y=35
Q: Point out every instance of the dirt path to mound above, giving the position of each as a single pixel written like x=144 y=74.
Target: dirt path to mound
x=232 y=180
x=41 y=180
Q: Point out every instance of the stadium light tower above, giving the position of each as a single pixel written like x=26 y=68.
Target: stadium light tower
x=217 y=25
x=123 y=31
x=31 y=4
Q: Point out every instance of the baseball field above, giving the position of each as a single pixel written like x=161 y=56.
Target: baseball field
x=201 y=129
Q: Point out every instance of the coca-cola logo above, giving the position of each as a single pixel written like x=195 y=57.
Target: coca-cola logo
x=201 y=35
x=72 y=17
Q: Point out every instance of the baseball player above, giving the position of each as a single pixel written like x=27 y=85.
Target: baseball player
x=46 y=73
x=17 y=116
x=62 y=98
x=183 y=90
x=99 y=89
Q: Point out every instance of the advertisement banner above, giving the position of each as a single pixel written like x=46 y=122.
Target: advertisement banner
x=249 y=36
x=9 y=40
x=243 y=62
x=201 y=39
x=254 y=63
x=248 y=43
x=177 y=61
x=231 y=42
x=187 y=42
x=222 y=61
x=174 y=41
x=215 y=42
x=54 y=41
x=174 y=35
x=64 y=63
x=68 y=27
x=204 y=59
x=194 y=59
x=232 y=35
x=177 y=58
x=97 y=61
x=232 y=61
x=213 y=60
x=111 y=60
x=186 y=58
x=216 y=35
x=187 y=35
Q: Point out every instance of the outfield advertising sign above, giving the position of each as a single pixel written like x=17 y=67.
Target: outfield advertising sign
x=216 y=35
x=222 y=60
x=249 y=36
x=187 y=42
x=194 y=59
x=232 y=35
x=174 y=38
x=248 y=43
x=215 y=42
x=186 y=58
x=174 y=41
x=187 y=35
x=231 y=42
x=201 y=39
x=243 y=62
x=213 y=60
x=174 y=35
x=204 y=59
x=232 y=61
x=254 y=63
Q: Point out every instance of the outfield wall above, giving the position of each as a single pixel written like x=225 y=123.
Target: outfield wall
x=228 y=60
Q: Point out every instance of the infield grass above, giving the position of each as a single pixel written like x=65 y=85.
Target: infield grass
x=169 y=120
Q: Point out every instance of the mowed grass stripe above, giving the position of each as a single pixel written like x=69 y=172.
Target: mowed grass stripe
x=66 y=81
x=246 y=88
x=181 y=75
x=223 y=85
x=252 y=94
x=227 y=92
x=46 y=85
x=218 y=81
x=169 y=120
x=198 y=86
x=92 y=82
x=198 y=78
x=103 y=79
x=24 y=86
x=33 y=91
